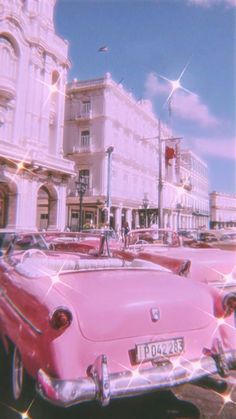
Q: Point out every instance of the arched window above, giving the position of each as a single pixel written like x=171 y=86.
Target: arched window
x=8 y=57
x=8 y=86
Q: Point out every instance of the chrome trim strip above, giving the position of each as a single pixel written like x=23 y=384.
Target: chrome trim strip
x=102 y=386
x=20 y=314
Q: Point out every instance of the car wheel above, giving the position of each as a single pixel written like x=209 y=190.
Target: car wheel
x=17 y=374
x=19 y=386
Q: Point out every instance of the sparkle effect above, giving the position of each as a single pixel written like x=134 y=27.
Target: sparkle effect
x=20 y=166
x=23 y=415
x=226 y=398
x=52 y=89
x=55 y=278
x=227 y=278
x=176 y=85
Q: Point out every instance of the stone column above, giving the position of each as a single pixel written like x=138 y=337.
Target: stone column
x=137 y=223
x=61 y=208
x=129 y=216
x=118 y=220
x=53 y=210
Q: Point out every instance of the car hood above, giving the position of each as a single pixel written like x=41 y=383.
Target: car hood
x=115 y=304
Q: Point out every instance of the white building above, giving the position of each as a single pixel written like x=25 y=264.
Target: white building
x=123 y=184
x=33 y=70
x=99 y=114
x=223 y=210
x=194 y=187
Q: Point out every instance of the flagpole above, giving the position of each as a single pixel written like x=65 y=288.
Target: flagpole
x=159 y=175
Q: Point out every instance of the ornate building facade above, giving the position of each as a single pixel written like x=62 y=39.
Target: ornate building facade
x=194 y=180
x=100 y=114
x=111 y=138
x=132 y=180
x=34 y=64
x=223 y=210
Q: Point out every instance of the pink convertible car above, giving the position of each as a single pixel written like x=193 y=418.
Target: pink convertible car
x=93 y=327
x=214 y=266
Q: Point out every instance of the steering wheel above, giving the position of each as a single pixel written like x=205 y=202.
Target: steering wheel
x=31 y=252
x=138 y=244
x=52 y=246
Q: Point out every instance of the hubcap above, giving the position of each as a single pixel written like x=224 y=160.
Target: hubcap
x=17 y=374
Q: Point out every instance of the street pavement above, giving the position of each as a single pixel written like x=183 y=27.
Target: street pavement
x=211 y=404
x=151 y=406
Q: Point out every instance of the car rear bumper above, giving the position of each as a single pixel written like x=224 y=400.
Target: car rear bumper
x=102 y=386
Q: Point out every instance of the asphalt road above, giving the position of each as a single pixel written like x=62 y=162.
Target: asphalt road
x=152 y=406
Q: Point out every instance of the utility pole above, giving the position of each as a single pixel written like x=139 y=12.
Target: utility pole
x=109 y=152
x=160 y=171
x=160 y=185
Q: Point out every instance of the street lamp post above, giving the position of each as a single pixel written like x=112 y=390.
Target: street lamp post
x=145 y=206
x=178 y=209
x=109 y=152
x=81 y=188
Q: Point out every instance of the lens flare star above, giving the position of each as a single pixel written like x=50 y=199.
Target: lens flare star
x=176 y=84
x=226 y=399
x=54 y=277
x=52 y=89
x=21 y=166
x=23 y=415
x=228 y=278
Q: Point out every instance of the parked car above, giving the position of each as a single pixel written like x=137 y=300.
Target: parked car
x=226 y=241
x=96 y=327
x=83 y=242
x=209 y=264
x=219 y=239
x=144 y=237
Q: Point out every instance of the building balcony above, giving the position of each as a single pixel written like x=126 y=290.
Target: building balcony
x=187 y=209
x=81 y=149
x=186 y=184
x=201 y=213
x=83 y=116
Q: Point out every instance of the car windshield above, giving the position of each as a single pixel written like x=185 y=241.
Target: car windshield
x=153 y=236
x=12 y=241
x=108 y=232
x=228 y=236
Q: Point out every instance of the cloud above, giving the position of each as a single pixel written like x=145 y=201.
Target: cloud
x=212 y=3
x=220 y=147
x=190 y=107
x=154 y=87
x=187 y=106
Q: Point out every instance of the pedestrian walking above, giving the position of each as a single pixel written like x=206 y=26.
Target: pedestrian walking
x=126 y=232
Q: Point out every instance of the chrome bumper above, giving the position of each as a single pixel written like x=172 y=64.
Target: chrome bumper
x=102 y=386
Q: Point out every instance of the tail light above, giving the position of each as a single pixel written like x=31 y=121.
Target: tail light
x=61 y=319
x=229 y=304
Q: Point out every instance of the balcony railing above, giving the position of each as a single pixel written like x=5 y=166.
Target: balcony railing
x=186 y=184
x=201 y=213
x=81 y=149
x=83 y=116
x=74 y=192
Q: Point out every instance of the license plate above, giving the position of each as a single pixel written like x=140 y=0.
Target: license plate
x=162 y=348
